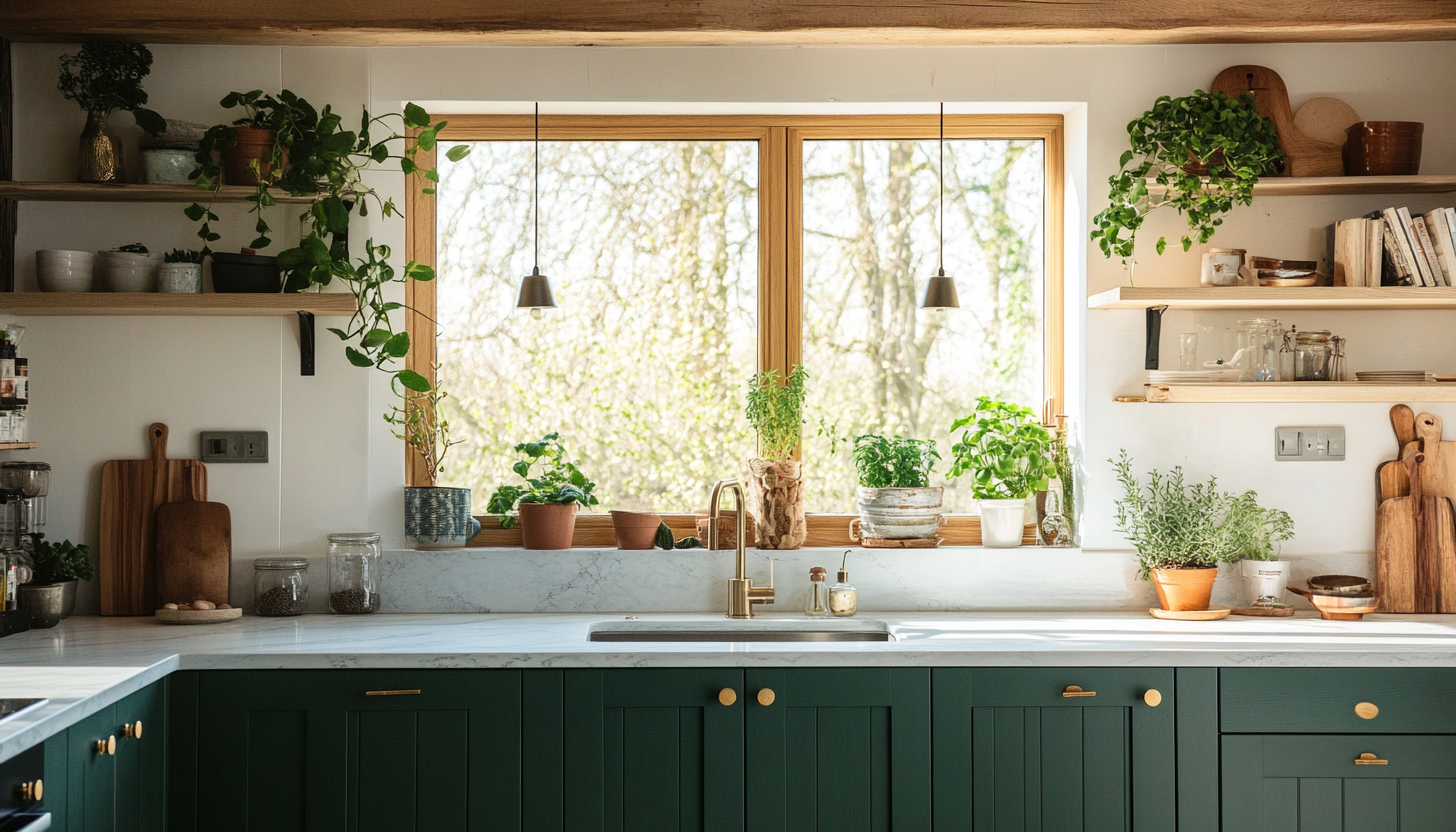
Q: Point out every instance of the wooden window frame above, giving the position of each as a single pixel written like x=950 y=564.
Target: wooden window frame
x=780 y=255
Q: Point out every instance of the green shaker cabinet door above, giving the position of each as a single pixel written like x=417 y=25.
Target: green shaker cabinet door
x=1303 y=783
x=838 y=749
x=653 y=750
x=90 y=774
x=141 y=761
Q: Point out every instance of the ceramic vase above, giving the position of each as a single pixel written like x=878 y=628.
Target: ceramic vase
x=436 y=517
x=100 y=152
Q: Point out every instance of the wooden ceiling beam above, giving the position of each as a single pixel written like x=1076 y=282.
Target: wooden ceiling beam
x=729 y=22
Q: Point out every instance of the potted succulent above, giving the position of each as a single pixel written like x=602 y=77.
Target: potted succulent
x=1008 y=454
x=1256 y=533
x=435 y=516
x=180 y=272
x=106 y=76
x=51 y=594
x=1206 y=150
x=895 y=499
x=775 y=409
x=546 y=505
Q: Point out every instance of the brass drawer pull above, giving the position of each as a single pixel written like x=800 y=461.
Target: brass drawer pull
x=106 y=746
x=132 y=730
x=766 y=697
x=1367 y=710
x=414 y=692
x=1368 y=759
x=1074 y=691
x=727 y=696
x=32 y=792
x=1153 y=698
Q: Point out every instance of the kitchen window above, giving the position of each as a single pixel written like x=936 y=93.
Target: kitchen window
x=686 y=252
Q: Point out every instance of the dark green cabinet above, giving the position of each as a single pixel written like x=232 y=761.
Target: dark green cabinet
x=91 y=773
x=141 y=760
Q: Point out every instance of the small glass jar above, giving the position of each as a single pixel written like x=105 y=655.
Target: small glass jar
x=1258 y=355
x=280 y=586
x=818 y=605
x=354 y=573
x=1312 y=354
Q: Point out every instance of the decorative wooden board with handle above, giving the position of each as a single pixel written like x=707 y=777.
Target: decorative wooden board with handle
x=1304 y=156
x=131 y=492
x=194 y=552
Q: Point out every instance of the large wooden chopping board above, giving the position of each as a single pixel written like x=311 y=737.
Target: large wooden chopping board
x=1304 y=156
x=1415 y=546
x=194 y=552
x=131 y=492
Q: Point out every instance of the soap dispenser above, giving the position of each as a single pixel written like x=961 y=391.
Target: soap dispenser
x=843 y=597
x=818 y=596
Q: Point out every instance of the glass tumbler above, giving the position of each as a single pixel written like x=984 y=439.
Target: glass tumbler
x=1188 y=351
x=354 y=573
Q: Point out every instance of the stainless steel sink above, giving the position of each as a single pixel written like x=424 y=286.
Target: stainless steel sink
x=661 y=630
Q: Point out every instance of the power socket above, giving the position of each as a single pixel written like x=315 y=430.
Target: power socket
x=235 y=446
x=1309 y=444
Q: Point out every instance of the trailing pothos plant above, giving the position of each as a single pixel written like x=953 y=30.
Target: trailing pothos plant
x=420 y=421
x=558 y=482
x=1170 y=144
x=893 y=462
x=1005 y=450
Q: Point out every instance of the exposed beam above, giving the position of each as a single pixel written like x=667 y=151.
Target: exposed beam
x=730 y=22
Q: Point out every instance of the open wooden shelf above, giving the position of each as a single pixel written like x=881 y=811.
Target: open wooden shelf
x=90 y=192
x=1442 y=183
x=1258 y=297
x=1300 y=391
x=332 y=304
x=16 y=446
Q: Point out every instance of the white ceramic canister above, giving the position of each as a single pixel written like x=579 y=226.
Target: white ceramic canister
x=1221 y=267
x=1002 y=523
x=1265 y=580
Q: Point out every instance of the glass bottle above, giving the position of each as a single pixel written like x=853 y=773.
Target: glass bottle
x=280 y=586
x=818 y=593
x=354 y=573
x=843 y=597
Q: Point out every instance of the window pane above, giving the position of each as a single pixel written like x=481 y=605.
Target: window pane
x=880 y=364
x=652 y=251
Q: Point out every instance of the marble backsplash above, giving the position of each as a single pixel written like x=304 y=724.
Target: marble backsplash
x=692 y=580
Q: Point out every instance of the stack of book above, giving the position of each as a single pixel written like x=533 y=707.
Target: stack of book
x=1394 y=247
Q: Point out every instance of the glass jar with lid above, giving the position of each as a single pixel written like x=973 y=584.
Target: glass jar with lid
x=280 y=586
x=1312 y=353
x=1258 y=355
x=354 y=573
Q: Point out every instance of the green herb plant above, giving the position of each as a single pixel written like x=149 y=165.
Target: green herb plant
x=776 y=411
x=1227 y=134
x=558 y=482
x=893 y=462
x=106 y=76
x=420 y=421
x=178 y=255
x=133 y=248
x=58 y=562
x=1255 y=532
x=1005 y=450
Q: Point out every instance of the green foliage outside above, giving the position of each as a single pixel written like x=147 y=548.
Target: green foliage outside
x=58 y=562
x=557 y=482
x=893 y=462
x=1005 y=450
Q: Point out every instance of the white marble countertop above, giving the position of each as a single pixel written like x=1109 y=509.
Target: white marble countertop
x=88 y=663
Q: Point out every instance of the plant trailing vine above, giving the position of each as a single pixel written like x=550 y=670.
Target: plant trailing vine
x=106 y=76
x=1005 y=450
x=420 y=421
x=1166 y=145
x=893 y=462
x=776 y=411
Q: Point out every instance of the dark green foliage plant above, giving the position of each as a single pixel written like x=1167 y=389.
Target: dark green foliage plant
x=1227 y=134
x=558 y=482
x=664 y=537
x=893 y=462
x=1005 y=450
x=106 y=76
x=178 y=255
x=58 y=562
x=776 y=411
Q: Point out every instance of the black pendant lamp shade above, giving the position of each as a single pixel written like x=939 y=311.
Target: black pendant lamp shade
x=536 y=287
x=940 y=290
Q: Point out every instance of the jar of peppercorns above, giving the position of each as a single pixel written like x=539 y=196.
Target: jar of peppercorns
x=280 y=586
x=354 y=573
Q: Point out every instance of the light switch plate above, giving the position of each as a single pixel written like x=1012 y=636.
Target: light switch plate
x=235 y=446
x=1309 y=444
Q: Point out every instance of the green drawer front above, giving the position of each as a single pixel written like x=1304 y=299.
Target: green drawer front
x=1045 y=687
x=1323 y=700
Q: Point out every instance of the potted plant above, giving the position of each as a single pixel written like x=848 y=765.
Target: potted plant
x=435 y=516
x=775 y=409
x=1205 y=150
x=637 y=529
x=106 y=76
x=180 y=272
x=546 y=505
x=895 y=499
x=1008 y=454
x=1255 y=533
x=51 y=594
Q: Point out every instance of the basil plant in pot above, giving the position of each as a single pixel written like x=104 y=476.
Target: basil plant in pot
x=435 y=516
x=51 y=594
x=546 y=505
x=895 y=499
x=775 y=409
x=1008 y=455
x=1256 y=533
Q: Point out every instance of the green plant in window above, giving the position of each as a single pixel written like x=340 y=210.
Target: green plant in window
x=558 y=481
x=1005 y=450
x=420 y=421
x=1167 y=143
x=106 y=76
x=776 y=411
x=894 y=462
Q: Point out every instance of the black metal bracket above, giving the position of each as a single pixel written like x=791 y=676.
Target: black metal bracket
x=1154 y=333
x=305 y=343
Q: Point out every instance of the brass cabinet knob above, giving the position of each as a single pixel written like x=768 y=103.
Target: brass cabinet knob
x=727 y=696
x=32 y=792
x=1367 y=710
x=1153 y=698
x=1074 y=691
x=132 y=730
x=766 y=697
x=1368 y=759
x=106 y=746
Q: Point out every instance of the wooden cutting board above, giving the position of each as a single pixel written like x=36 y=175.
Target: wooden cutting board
x=1305 y=156
x=1415 y=547
x=131 y=492
x=194 y=552
x=1438 y=468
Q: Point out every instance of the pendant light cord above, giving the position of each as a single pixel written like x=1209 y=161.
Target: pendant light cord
x=536 y=193
x=941 y=213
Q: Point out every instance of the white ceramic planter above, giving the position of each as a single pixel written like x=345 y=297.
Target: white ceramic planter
x=899 y=513
x=179 y=278
x=1265 y=579
x=1002 y=523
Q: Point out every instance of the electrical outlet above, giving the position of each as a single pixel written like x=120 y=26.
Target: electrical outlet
x=1309 y=444
x=235 y=446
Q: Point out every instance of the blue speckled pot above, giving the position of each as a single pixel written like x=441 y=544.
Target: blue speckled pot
x=436 y=517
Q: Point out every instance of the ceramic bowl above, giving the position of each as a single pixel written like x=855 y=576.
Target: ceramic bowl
x=64 y=271
x=1383 y=148
x=123 y=271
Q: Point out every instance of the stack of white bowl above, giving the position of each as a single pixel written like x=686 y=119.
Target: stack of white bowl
x=124 y=271
x=64 y=271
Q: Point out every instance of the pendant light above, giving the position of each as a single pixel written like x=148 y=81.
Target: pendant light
x=536 y=287
x=940 y=291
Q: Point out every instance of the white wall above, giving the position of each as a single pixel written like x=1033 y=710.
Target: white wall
x=101 y=381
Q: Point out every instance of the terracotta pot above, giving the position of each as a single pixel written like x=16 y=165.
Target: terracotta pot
x=547 y=526
x=249 y=143
x=776 y=503
x=635 y=529
x=1383 y=148
x=1184 y=590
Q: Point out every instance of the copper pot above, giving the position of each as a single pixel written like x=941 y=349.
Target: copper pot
x=1184 y=590
x=1383 y=148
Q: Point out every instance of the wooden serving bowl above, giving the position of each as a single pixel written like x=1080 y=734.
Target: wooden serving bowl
x=1340 y=607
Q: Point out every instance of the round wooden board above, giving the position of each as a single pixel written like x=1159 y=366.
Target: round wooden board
x=886 y=543
x=1325 y=119
x=198 y=616
x=1210 y=614
x=1281 y=611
